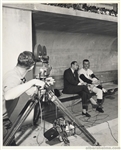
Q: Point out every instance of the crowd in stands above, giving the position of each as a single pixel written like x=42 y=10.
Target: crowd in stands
x=85 y=7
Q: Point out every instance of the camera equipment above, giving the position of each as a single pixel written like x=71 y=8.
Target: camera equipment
x=60 y=126
x=62 y=129
x=42 y=69
x=65 y=129
x=51 y=133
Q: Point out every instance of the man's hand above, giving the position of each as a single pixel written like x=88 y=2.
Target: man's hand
x=50 y=81
x=79 y=83
x=39 y=83
x=90 y=86
x=96 y=82
x=83 y=83
x=32 y=91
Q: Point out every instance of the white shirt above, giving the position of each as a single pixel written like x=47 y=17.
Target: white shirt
x=72 y=70
x=11 y=80
x=87 y=73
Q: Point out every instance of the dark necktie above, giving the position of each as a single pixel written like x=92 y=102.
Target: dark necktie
x=74 y=74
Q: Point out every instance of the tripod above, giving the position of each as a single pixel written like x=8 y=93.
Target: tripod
x=19 y=121
x=28 y=108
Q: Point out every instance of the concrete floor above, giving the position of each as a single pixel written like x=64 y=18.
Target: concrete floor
x=103 y=126
x=106 y=134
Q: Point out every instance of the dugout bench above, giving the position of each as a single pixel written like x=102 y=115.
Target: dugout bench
x=109 y=80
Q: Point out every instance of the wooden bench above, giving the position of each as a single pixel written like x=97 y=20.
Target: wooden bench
x=109 y=80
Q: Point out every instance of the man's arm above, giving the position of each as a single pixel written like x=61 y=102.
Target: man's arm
x=20 y=89
x=83 y=78
x=93 y=76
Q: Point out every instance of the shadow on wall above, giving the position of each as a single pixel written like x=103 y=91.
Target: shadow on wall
x=113 y=55
x=114 y=48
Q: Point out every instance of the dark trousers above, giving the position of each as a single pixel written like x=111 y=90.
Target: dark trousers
x=85 y=95
x=83 y=91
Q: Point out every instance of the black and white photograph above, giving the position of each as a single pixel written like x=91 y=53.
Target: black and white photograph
x=60 y=66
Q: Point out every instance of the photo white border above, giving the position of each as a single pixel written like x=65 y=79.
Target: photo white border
x=119 y=53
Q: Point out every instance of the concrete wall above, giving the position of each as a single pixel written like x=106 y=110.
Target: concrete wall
x=17 y=35
x=65 y=47
x=16 y=38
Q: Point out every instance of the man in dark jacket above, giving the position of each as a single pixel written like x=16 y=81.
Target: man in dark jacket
x=72 y=85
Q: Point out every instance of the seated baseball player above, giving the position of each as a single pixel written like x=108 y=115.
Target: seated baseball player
x=87 y=77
